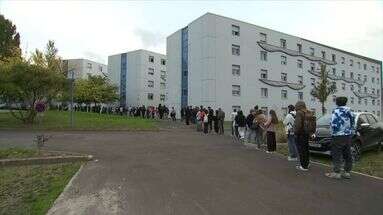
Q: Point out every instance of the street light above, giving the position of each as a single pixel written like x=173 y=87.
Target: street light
x=71 y=78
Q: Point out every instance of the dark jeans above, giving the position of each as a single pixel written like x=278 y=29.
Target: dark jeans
x=271 y=142
x=341 y=150
x=205 y=127
x=220 y=127
x=187 y=120
x=302 y=141
x=210 y=125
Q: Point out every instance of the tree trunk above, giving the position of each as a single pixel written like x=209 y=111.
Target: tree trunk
x=323 y=109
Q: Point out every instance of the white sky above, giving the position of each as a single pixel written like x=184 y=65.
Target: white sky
x=96 y=29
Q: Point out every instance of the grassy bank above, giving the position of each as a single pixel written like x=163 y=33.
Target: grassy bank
x=33 y=189
x=60 y=120
x=17 y=153
x=371 y=162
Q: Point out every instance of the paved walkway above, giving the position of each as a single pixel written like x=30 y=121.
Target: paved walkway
x=179 y=171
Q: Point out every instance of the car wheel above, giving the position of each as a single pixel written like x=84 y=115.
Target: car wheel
x=355 y=151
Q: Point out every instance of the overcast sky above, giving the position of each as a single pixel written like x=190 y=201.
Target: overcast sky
x=96 y=29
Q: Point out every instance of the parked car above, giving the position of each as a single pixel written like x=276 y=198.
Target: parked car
x=368 y=135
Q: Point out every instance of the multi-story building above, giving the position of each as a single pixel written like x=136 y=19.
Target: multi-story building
x=83 y=67
x=140 y=76
x=222 y=62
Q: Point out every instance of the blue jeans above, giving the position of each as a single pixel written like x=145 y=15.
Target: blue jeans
x=293 y=152
x=250 y=133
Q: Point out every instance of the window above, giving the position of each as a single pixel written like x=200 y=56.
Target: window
x=359 y=88
x=284 y=76
x=377 y=69
x=151 y=59
x=373 y=102
x=365 y=78
x=378 y=113
x=151 y=84
x=334 y=71
x=343 y=73
x=378 y=102
x=334 y=98
x=263 y=37
x=312 y=51
x=373 y=91
x=283 y=60
x=162 y=97
x=352 y=100
x=342 y=60
x=162 y=86
x=372 y=68
x=351 y=62
x=300 y=95
x=365 y=102
x=150 y=96
x=151 y=71
x=358 y=65
x=351 y=75
x=163 y=75
x=365 y=89
x=263 y=74
x=163 y=62
x=343 y=86
x=284 y=94
x=333 y=56
x=264 y=93
x=312 y=66
x=283 y=43
x=334 y=84
x=235 y=50
x=236 y=70
x=299 y=47
x=89 y=66
x=300 y=79
x=236 y=107
x=352 y=87
x=312 y=82
x=359 y=101
x=299 y=63
x=323 y=54
x=378 y=92
x=359 y=77
x=373 y=80
x=235 y=30
x=236 y=90
x=364 y=66
x=377 y=80
x=100 y=68
x=263 y=56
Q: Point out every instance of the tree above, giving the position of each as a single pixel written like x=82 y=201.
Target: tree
x=324 y=88
x=23 y=84
x=9 y=40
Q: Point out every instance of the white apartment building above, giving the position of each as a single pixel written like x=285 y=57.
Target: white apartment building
x=222 y=62
x=83 y=67
x=140 y=76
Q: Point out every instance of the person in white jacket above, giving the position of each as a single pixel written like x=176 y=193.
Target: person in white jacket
x=289 y=128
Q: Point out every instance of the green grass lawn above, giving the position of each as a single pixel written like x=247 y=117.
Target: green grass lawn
x=33 y=189
x=371 y=162
x=17 y=153
x=60 y=120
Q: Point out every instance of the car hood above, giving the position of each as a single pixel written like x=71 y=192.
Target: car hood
x=323 y=131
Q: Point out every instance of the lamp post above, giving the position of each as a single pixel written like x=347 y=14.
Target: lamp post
x=71 y=78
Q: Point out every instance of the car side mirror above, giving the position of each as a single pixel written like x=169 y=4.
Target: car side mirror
x=364 y=125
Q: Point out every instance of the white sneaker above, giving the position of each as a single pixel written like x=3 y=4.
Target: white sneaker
x=268 y=152
x=301 y=168
x=291 y=158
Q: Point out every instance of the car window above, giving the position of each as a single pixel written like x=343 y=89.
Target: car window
x=371 y=119
x=362 y=119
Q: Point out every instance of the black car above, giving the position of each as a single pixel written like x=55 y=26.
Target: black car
x=368 y=135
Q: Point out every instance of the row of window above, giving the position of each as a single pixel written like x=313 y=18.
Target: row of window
x=151 y=72
x=151 y=84
x=90 y=66
x=236 y=91
x=283 y=44
x=151 y=97
x=151 y=60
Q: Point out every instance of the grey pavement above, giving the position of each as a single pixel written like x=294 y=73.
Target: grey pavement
x=180 y=171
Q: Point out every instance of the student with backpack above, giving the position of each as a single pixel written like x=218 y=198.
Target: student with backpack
x=240 y=121
x=289 y=128
x=269 y=126
x=304 y=127
x=250 y=130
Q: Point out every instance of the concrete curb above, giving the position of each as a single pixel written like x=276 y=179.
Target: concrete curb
x=44 y=160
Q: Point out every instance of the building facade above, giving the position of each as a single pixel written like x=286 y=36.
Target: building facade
x=140 y=76
x=83 y=67
x=221 y=62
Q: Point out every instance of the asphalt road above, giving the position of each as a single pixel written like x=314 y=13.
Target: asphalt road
x=178 y=171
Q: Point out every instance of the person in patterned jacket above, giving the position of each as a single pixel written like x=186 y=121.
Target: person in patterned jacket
x=342 y=129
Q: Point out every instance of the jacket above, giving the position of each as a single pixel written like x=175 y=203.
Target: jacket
x=289 y=122
x=342 y=121
x=240 y=120
x=300 y=108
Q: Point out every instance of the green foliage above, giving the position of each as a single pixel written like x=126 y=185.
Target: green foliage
x=95 y=89
x=17 y=153
x=324 y=88
x=10 y=40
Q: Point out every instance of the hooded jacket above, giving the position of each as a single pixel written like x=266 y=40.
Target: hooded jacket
x=300 y=108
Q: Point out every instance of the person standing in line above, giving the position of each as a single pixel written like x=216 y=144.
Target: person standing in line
x=200 y=117
x=304 y=124
x=215 y=121
x=240 y=122
x=269 y=126
x=173 y=114
x=188 y=113
x=342 y=129
x=182 y=114
x=211 y=114
x=289 y=128
x=221 y=120
x=233 y=125
x=250 y=131
x=205 y=121
x=259 y=119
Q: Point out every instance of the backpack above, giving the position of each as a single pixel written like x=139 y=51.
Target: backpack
x=290 y=126
x=309 y=123
x=205 y=118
